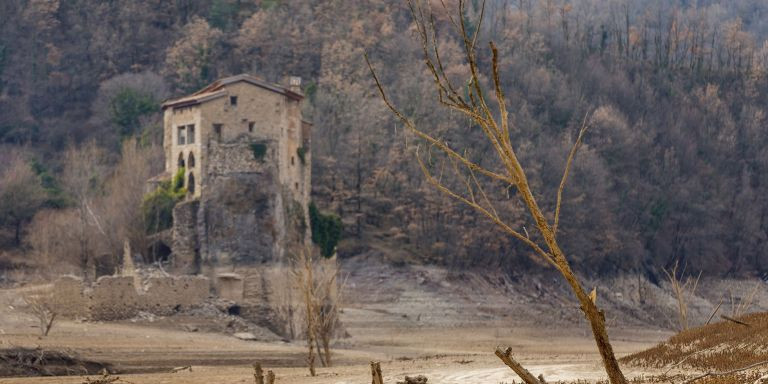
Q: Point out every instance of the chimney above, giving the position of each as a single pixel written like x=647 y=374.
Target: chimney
x=294 y=83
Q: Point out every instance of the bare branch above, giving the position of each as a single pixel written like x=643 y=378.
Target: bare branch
x=506 y=357
x=568 y=164
x=479 y=23
x=441 y=187
x=432 y=140
x=500 y=96
x=725 y=373
x=724 y=317
x=485 y=196
x=714 y=311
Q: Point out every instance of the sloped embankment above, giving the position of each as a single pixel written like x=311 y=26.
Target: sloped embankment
x=717 y=347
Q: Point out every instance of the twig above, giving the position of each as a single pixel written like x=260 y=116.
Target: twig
x=715 y=374
x=715 y=311
x=734 y=320
x=686 y=358
x=568 y=164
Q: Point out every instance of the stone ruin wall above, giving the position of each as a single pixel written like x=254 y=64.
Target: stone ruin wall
x=264 y=290
x=116 y=297
x=240 y=217
x=184 y=242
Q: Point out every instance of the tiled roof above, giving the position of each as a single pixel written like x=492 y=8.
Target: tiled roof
x=216 y=90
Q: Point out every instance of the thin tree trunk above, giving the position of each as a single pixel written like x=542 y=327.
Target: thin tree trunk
x=327 y=348
x=595 y=317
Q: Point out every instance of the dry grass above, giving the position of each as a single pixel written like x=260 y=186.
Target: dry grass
x=715 y=347
x=684 y=289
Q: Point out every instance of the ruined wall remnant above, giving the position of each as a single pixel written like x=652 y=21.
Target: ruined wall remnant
x=241 y=217
x=230 y=286
x=68 y=297
x=185 y=244
x=166 y=295
x=241 y=207
x=113 y=298
x=117 y=297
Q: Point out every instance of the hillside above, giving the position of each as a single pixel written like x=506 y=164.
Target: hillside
x=670 y=171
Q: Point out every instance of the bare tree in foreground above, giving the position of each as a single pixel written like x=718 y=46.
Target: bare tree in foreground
x=473 y=102
x=318 y=282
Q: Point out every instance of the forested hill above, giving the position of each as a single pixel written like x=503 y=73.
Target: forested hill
x=674 y=167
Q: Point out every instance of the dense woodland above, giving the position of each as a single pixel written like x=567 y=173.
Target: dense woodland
x=672 y=168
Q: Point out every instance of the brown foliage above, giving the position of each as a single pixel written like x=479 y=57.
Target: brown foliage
x=21 y=194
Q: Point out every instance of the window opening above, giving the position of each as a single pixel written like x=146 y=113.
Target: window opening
x=181 y=135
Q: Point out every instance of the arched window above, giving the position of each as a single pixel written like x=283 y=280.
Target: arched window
x=191 y=160
x=181 y=159
x=191 y=183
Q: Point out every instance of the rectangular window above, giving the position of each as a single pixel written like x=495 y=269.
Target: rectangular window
x=250 y=126
x=180 y=133
x=233 y=101
x=217 y=130
x=191 y=133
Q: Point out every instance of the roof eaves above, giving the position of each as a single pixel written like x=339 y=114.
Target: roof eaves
x=194 y=99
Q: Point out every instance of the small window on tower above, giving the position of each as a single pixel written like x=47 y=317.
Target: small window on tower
x=217 y=130
x=191 y=133
x=250 y=126
x=292 y=160
x=180 y=133
x=296 y=185
x=233 y=101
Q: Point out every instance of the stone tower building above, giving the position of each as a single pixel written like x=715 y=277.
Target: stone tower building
x=245 y=154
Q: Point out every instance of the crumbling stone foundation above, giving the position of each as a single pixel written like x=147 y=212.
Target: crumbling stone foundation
x=117 y=297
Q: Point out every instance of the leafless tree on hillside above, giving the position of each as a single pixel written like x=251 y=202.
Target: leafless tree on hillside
x=474 y=102
x=83 y=179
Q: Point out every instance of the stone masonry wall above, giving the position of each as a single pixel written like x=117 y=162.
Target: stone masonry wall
x=116 y=297
x=186 y=248
x=241 y=205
